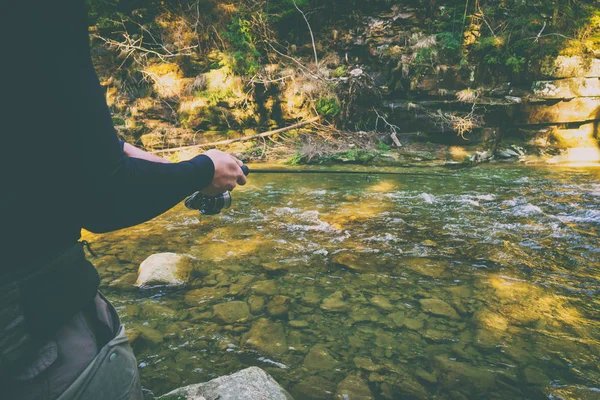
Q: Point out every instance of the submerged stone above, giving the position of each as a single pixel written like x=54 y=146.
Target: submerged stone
x=535 y=376
x=278 y=306
x=127 y=281
x=462 y=374
x=268 y=337
x=310 y=298
x=199 y=296
x=398 y=318
x=319 y=359
x=382 y=303
x=351 y=261
x=425 y=266
x=257 y=304
x=335 y=303
x=250 y=383
x=366 y=364
x=414 y=323
x=168 y=269
x=353 y=387
x=299 y=324
x=439 y=307
x=264 y=287
x=314 y=388
x=231 y=312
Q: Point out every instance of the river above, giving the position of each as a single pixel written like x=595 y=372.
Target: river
x=481 y=284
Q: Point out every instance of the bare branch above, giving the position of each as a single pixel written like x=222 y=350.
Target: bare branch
x=309 y=29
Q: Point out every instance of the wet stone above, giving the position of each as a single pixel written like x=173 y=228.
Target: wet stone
x=278 y=306
x=439 y=307
x=366 y=364
x=268 y=337
x=257 y=304
x=164 y=269
x=313 y=388
x=151 y=309
x=150 y=335
x=437 y=335
x=125 y=282
x=462 y=374
x=350 y=261
x=414 y=324
x=353 y=387
x=382 y=303
x=274 y=266
x=425 y=266
x=426 y=376
x=310 y=298
x=365 y=314
x=335 y=303
x=264 y=287
x=203 y=295
x=231 y=312
x=319 y=359
x=535 y=376
x=397 y=318
x=299 y=324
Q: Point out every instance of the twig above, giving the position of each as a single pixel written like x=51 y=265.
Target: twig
x=309 y=29
x=537 y=38
x=242 y=139
x=392 y=128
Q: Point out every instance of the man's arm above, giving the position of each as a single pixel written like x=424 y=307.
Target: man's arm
x=122 y=191
x=134 y=152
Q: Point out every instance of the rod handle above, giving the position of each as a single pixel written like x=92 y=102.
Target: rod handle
x=245 y=170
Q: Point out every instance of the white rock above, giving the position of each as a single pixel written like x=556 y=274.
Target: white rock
x=250 y=383
x=168 y=269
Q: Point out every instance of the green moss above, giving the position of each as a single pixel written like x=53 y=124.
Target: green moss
x=328 y=107
x=340 y=71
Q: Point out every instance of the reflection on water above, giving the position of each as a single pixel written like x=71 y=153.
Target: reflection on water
x=479 y=285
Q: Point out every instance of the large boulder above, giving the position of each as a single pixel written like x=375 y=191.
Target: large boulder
x=168 y=269
x=250 y=383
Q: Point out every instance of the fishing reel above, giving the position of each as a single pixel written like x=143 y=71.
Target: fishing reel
x=211 y=205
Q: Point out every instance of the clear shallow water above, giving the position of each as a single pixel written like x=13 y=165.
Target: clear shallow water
x=482 y=285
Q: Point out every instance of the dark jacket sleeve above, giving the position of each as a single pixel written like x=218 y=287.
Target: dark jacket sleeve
x=122 y=191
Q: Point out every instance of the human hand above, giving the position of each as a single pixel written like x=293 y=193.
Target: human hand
x=228 y=173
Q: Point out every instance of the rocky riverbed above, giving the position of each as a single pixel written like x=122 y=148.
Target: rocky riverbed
x=478 y=284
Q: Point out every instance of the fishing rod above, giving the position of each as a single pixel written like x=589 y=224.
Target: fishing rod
x=212 y=205
x=333 y=171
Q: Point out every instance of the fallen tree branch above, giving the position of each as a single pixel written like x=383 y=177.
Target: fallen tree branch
x=242 y=139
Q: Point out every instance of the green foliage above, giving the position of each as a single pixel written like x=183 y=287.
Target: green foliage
x=354 y=155
x=104 y=13
x=383 y=147
x=214 y=96
x=244 y=54
x=515 y=63
x=449 y=46
x=295 y=159
x=425 y=56
x=328 y=107
x=340 y=71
